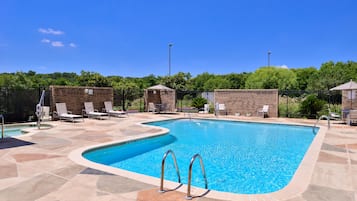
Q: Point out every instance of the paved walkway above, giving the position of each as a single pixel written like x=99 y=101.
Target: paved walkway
x=37 y=167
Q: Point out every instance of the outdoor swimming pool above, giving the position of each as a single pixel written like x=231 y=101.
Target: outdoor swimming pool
x=247 y=158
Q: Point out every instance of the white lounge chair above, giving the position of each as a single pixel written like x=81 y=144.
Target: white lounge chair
x=220 y=107
x=45 y=116
x=109 y=109
x=333 y=115
x=152 y=107
x=264 y=111
x=63 y=114
x=205 y=109
x=91 y=113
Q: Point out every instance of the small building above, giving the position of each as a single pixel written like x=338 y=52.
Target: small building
x=164 y=98
x=248 y=102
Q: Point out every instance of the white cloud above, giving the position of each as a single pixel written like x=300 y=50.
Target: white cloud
x=50 y=31
x=45 y=40
x=284 y=66
x=57 y=44
x=73 y=45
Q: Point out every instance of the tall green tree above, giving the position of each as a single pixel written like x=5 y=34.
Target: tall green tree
x=218 y=82
x=92 y=79
x=272 y=78
x=177 y=81
x=304 y=76
x=199 y=81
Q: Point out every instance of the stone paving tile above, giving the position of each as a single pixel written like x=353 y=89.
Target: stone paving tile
x=50 y=143
x=94 y=171
x=32 y=156
x=117 y=184
x=329 y=147
x=8 y=170
x=32 y=189
x=93 y=136
x=315 y=192
x=13 y=142
x=329 y=158
x=332 y=175
x=297 y=199
x=69 y=172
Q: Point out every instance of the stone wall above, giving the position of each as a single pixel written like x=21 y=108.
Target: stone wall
x=74 y=97
x=248 y=101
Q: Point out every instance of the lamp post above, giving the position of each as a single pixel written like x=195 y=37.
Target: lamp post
x=269 y=53
x=170 y=45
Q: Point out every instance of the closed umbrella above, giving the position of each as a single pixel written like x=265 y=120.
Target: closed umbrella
x=351 y=85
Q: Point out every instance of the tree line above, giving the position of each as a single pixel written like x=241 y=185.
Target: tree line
x=329 y=74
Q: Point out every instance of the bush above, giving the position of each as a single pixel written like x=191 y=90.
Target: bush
x=311 y=106
x=198 y=102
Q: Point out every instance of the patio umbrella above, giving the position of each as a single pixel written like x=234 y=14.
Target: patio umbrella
x=351 y=85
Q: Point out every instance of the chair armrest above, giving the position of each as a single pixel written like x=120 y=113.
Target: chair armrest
x=69 y=112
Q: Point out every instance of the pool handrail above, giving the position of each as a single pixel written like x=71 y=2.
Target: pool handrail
x=317 y=121
x=2 y=125
x=189 y=196
x=163 y=169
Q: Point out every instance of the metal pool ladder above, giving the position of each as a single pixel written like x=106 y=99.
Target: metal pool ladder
x=317 y=121
x=163 y=169
x=2 y=126
x=189 y=196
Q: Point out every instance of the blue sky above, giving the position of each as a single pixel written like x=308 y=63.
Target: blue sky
x=131 y=37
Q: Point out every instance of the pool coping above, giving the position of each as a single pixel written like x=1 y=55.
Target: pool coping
x=296 y=186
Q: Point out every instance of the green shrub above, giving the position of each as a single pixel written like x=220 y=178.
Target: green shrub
x=311 y=106
x=198 y=102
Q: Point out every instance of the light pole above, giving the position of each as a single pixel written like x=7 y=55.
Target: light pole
x=170 y=45
x=269 y=53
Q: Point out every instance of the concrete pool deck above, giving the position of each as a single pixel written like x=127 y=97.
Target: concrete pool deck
x=38 y=167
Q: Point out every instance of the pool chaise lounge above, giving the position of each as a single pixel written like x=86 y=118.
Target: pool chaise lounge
x=109 y=109
x=63 y=114
x=90 y=112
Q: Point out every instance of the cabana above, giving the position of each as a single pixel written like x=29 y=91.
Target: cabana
x=163 y=98
x=349 y=97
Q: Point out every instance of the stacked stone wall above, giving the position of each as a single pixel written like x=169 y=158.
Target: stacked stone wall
x=248 y=101
x=74 y=97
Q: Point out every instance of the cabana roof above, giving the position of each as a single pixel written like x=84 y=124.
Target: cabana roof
x=351 y=85
x=159 y=87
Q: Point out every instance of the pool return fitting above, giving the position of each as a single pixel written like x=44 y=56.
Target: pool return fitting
x=188 y=196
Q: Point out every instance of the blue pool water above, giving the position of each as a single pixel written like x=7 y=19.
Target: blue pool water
x=247 y=158
x=13 y=131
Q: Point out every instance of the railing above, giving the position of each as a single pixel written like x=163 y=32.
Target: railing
x=317 y=121
x=39 y=109
x=2 y=126
x=188 y=196
x=163 y=169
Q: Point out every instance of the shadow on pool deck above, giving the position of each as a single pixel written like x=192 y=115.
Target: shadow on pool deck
x=13 y=142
